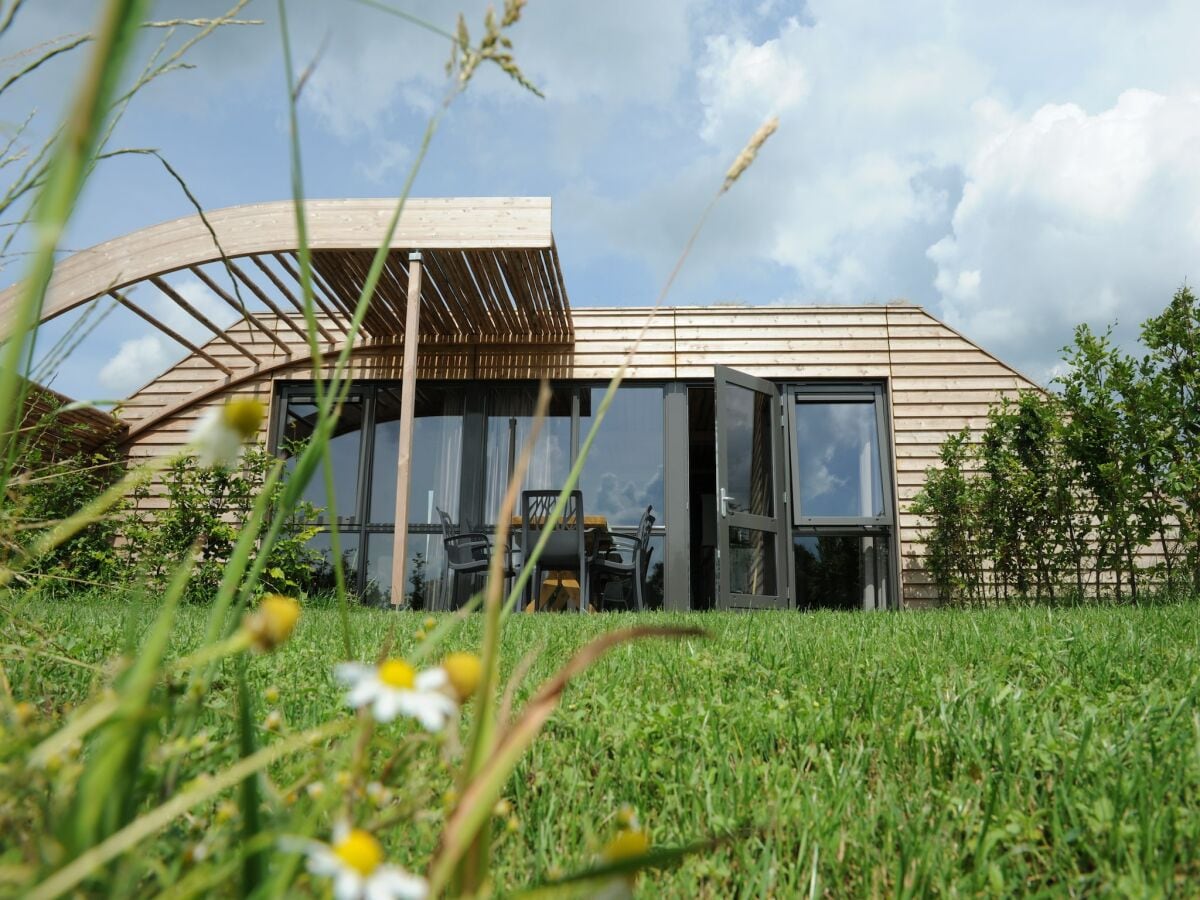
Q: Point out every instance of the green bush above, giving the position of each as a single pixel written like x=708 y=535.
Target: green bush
x=1092 y=491
x=51 y=489
x=205 y=511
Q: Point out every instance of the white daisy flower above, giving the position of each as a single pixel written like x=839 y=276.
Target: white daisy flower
x=394 y=688
x=355 y=863
x=218 y=435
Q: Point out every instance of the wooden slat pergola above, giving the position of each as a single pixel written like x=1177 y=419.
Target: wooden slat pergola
x=472 y=271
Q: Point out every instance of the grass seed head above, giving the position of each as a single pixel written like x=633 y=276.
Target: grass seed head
x=749 y=152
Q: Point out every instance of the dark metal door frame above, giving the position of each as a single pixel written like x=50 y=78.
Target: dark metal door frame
x=729 y=516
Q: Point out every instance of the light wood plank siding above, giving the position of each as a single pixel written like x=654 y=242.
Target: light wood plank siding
x=938 y=381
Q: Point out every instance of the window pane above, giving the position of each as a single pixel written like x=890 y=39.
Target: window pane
x=509 y=417
x=746 y=419
x=425 y=581
x=299 y=422
x=840 y=571
x=436 y=455
x=624 y=471
x=752 y=562
x=324 y=580
x=618 y=592
x=838 y=449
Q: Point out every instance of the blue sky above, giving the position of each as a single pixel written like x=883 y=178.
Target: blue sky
x=1016 y=168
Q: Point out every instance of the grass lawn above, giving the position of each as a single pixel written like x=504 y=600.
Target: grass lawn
x=1011 y=751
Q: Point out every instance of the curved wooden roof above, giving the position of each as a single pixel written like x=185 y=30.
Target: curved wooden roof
x=490 y=273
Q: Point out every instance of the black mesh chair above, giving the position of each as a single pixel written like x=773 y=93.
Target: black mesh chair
x=565 y=548
x=467 y=552
x=609 y=564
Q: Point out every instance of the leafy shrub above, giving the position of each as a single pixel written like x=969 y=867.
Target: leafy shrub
x=48 y=491
x=1076 y=492
x=205 y=510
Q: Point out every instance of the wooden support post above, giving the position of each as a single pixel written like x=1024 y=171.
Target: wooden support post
x=408 y=403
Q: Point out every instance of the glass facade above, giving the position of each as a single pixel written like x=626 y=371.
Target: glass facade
x=509 y=418
x=748 y=420
x=436 y=454
x=466 y=442
x=467 y=437
x=345 y=448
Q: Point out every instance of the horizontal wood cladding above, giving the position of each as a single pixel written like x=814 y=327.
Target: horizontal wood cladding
x=939 y=382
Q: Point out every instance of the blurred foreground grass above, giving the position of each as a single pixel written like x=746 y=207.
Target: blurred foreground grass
x=1001 y=751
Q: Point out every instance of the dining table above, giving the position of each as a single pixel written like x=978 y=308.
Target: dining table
x=560 y=588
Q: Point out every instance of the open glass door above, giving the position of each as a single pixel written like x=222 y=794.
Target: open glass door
x=752 y=524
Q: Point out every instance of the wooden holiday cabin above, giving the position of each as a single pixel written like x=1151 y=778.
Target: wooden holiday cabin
x=787 y=441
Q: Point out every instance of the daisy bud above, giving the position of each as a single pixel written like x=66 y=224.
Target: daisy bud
x=429 y=622
x=271 y=695
x=226 y=812
x=244 y=415
x=272 y=623
x=274 y=720
x=464 y=671
x=629 y=843
x=24 y=712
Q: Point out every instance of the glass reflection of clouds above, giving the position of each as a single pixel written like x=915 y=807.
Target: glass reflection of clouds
x=623 y=473
x=837 y=444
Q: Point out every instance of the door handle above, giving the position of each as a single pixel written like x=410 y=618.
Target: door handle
x=726 y=499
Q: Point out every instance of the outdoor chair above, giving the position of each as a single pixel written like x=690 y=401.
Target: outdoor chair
x=608 y=565
x=565 y=549
x=467 y=552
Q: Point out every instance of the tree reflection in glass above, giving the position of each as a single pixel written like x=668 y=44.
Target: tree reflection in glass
x=345 y=449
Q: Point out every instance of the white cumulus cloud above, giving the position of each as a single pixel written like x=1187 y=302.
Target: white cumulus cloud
x=1068 y=217
x=135 y=362
x=139 y=359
